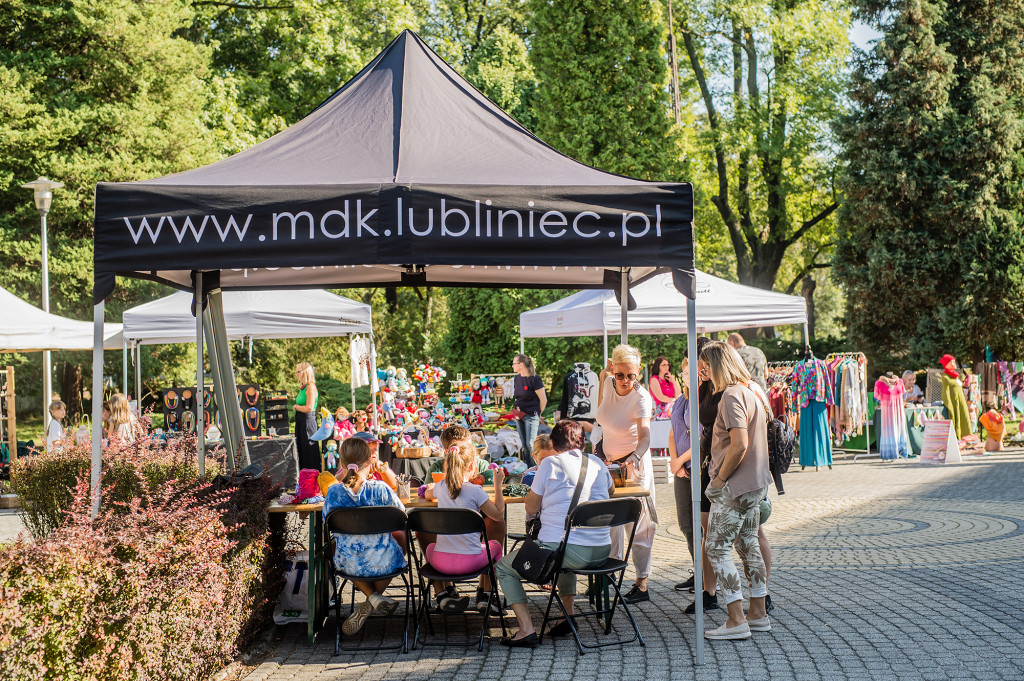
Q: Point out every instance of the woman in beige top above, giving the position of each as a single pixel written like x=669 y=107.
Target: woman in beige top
x=739 y=480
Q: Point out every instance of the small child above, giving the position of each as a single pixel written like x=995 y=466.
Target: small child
x=462 y=553
x=55 y=431
x=542 y=448
x=365 y=555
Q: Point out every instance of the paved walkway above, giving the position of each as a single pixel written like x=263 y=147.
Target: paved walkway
x=881 y=571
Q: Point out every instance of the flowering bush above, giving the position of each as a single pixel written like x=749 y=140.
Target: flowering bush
x=46 y=482
x=174 y=575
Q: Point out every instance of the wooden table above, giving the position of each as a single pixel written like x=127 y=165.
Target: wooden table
x=319 y=593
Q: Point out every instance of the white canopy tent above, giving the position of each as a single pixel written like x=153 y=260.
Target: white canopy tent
x=26 y=328
x=660 y=308
x=305 y=313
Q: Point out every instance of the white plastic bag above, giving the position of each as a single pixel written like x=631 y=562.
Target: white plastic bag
x=293 y=603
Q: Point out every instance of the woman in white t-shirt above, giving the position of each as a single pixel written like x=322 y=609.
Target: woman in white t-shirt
x=551 y=495
x=458 y=554
x=624 y=414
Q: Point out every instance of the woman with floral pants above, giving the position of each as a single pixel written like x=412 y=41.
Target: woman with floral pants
x=739 y=480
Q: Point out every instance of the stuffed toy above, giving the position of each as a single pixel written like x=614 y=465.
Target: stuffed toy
x=343 y=427
x=332 y=455
x=474 y=387
x=308 y=487
x=361 y=421
x=387 y=399
x=324 y=481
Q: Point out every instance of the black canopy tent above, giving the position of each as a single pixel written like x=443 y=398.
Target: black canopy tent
x=405 y=176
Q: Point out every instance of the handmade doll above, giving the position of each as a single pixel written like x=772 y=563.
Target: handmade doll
x=387 y=403
x=474 y=387
x=361 y=420
x=332 y=454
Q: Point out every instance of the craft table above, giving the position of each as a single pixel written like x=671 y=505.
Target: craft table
x=318 y=587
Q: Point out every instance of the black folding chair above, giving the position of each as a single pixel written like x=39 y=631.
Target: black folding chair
x=606 y=513
x=363 y=521
x=449 y=521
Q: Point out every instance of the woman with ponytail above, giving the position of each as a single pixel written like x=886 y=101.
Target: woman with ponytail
x=461 y=553
x=371 y=554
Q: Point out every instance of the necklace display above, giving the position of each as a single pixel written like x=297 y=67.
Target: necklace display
x=172 y=418
x=252 y=396
x=252 y=419
x=186 y=399
x=171 y=400
x=188 y=421
x=207 y=397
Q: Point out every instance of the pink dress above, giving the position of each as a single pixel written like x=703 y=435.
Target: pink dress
x=893 y=441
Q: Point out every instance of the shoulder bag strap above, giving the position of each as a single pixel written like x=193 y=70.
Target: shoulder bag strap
x=579 y=486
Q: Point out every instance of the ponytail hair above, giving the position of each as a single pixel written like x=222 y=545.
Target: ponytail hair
x=354 y=455
x=457 y=460
x=527 y=363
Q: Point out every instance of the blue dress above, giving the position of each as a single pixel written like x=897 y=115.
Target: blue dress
x=815 y=440
x=365 y=555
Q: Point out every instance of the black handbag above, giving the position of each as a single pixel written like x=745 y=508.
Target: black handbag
x=536 y=562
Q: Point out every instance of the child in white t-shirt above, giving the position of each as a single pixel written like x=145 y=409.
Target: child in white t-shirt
x=55 y=431
x=462 y=553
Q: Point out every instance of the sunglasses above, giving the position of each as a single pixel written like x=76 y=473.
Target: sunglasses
x=625 y=377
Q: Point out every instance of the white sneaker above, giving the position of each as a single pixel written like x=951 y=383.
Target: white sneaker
x=725 y=633
x=384 y=605
x=357 y=619
x=760 y=625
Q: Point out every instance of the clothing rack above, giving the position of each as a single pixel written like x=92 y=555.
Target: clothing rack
x=858 y=453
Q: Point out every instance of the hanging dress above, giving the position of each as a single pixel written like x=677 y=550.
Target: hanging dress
x=305 y=427
x=813 y=391
x=956 y=404
x=893 y=440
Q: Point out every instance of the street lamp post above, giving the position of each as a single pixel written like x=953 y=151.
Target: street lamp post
x=42 y=194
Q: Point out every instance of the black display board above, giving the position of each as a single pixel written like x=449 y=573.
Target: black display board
x=249 y=396
x=275 y=406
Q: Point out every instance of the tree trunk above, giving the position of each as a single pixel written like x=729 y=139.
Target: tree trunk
x=807 y=291
x=71 y=391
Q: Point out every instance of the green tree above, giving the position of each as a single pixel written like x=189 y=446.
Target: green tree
x=501 y=69
x=932 y=236
x=770 y=78
x=457 y=28
x=603 y=94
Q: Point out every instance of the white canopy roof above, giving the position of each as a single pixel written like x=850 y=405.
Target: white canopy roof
x=721 y=305
x=26 y=328
x=305 y=313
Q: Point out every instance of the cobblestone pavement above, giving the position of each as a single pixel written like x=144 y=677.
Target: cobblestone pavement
x=881 y=571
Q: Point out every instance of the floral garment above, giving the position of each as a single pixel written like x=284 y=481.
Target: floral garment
x=811 y=382
x=365 y=555
x=735 y=521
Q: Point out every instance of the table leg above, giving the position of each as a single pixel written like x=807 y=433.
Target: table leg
x=317 y=584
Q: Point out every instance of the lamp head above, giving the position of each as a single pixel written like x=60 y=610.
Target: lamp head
x=42 y=193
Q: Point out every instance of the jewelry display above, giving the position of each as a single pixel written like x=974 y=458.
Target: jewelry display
x=252 y=419
x=186 y=398
x=252 y=396
x=171 y=400
x=188 y=421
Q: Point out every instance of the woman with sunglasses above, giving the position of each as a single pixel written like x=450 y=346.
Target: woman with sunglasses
x=624 y=413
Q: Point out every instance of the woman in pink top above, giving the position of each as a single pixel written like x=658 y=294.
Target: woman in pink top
x=664 y=388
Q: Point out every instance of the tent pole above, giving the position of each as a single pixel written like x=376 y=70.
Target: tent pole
x=97 y=407
x=605 y=333
x=124 y=367
x=807 y=337
x=624 y=306
x=374 y=385
x=200 y=411
x=351 y=374
x=698 y=542
x=137 y=353
x=224 y=389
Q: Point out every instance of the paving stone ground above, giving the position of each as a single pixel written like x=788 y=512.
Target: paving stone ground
x=887 y=571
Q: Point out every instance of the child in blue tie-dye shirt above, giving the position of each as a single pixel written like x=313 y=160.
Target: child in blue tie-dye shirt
x=367 y=555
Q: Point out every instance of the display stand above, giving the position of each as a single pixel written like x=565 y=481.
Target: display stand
x=940 y=444
x=249 y=401
x=275 y=409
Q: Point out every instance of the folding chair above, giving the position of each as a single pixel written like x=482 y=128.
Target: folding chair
x=592 y=515
x=363 y=521
x=449 y=521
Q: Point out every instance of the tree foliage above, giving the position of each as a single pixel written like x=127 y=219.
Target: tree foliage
x=769 y=73
x=603 y=96
x=932 y=235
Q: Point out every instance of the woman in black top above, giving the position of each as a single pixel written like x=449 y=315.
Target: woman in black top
x=707 y=411
x=529 y=399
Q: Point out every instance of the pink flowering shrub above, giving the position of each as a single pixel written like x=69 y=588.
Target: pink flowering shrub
x=172 y=578
x=46 y=482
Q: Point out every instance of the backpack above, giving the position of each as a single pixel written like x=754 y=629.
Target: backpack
x=781 y=440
